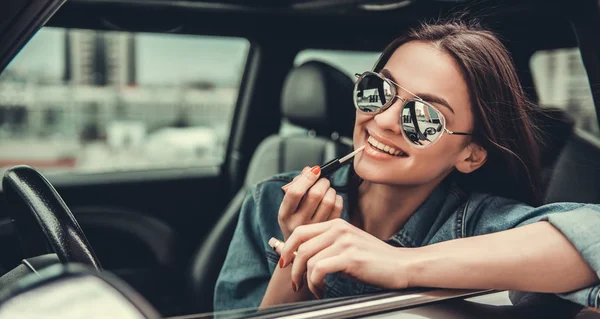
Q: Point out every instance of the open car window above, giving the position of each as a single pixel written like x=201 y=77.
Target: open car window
x=93 y=101
x=561 y=81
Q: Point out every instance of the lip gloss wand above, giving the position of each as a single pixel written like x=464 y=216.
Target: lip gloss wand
x=335 y=164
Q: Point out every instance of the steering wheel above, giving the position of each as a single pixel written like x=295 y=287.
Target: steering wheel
x=41 y=217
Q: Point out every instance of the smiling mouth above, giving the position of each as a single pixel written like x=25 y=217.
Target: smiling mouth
x=385 y=148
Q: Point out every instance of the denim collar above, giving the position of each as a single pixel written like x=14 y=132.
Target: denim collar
x=417 y=227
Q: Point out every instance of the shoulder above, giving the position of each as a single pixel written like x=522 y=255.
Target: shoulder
x=262 y=201
x=269 y=189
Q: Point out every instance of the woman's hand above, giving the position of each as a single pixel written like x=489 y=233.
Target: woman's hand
x=308 y=200
x=336 y=246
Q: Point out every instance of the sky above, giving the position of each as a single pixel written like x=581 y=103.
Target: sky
x=43 y=53
x=170 y=58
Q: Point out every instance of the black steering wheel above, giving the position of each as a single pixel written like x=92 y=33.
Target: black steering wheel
x=43 y=221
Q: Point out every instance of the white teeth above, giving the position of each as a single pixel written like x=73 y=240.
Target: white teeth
x=383 y=147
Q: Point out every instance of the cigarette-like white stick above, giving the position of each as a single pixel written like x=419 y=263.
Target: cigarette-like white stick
x=351 y=155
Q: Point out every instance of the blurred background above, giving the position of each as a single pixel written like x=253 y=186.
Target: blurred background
x=87 y=101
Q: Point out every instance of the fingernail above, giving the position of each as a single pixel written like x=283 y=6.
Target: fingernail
x=317 y=297
x=315 y=170
x=294 y=288
x=280 y=262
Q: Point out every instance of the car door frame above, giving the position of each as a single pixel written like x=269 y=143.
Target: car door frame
x=27 y=18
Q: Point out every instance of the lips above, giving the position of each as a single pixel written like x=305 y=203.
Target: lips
x=385 y=147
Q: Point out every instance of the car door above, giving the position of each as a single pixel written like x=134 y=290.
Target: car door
x=131 y=129
x=19 y=21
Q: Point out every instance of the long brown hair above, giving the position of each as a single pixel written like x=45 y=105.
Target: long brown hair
x=504 y=119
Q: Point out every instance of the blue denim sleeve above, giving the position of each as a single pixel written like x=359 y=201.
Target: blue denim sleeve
x=245 y=275
x=579 y=223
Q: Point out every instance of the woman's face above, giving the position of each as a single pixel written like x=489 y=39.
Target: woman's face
x=425 y=70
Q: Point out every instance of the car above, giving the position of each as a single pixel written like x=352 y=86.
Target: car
x=175 y=108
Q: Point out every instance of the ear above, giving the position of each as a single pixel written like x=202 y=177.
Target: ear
x=471 y=158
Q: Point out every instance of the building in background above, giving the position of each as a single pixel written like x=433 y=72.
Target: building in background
x=96 y=103
x=94 y=58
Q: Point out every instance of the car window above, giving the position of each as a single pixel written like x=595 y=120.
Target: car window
x=349 y=62
x=82 y=100
x=561 y=81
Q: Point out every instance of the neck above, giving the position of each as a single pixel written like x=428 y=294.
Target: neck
x=384 y=209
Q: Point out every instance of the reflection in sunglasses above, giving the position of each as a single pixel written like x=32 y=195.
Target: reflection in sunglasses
x=422 y=123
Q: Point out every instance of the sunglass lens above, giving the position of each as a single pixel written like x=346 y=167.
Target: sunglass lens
x=371 y=93
x=422 y=123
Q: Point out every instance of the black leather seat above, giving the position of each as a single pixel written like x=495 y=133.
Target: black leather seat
x=576 y=175
x=315 y=96
x=557 y=127
x=570 y=160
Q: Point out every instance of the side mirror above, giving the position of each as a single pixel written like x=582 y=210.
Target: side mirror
x=73 y=291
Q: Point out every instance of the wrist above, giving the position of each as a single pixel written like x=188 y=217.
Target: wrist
x=416 y=262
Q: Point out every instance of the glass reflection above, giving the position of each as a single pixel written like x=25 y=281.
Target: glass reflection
x=372 y=93
x=421 y=123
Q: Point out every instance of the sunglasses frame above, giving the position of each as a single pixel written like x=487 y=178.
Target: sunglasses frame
x=393 y=85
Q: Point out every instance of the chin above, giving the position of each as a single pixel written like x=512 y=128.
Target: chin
x=376 y=175
x=398 y=176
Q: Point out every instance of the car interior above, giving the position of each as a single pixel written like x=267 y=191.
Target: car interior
x=165 y=232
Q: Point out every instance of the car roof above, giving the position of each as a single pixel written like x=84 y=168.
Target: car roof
x=326 y=24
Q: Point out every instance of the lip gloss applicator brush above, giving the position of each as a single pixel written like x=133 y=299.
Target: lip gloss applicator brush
x=333 y=165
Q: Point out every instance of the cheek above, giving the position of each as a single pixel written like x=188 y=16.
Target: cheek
x=445 y=152
x=359 y=125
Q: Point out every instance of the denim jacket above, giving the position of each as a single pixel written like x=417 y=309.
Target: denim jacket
x=448 y=213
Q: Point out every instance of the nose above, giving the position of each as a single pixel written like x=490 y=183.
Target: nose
x=390 y=119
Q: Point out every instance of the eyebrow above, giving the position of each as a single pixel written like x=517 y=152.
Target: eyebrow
x=424 y=96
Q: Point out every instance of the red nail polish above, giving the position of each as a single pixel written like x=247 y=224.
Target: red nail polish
x=315 y=170
x=294 y=288
x=280 y=262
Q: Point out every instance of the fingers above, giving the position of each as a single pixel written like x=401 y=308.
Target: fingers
x=286 y=186
x=302 y=234
x=326 y=206
x=307 y=253
x=276 y=244
x=313 y=199
x=296 y=191
x=337 y=208
x=315 y=278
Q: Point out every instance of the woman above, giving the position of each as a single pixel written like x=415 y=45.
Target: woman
x=443 y=194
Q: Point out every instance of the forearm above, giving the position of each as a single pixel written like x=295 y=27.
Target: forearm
x=536 y=258
x=280 y=290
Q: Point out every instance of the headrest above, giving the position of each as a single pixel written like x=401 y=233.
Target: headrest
x=557 y=127
x=318 y=96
